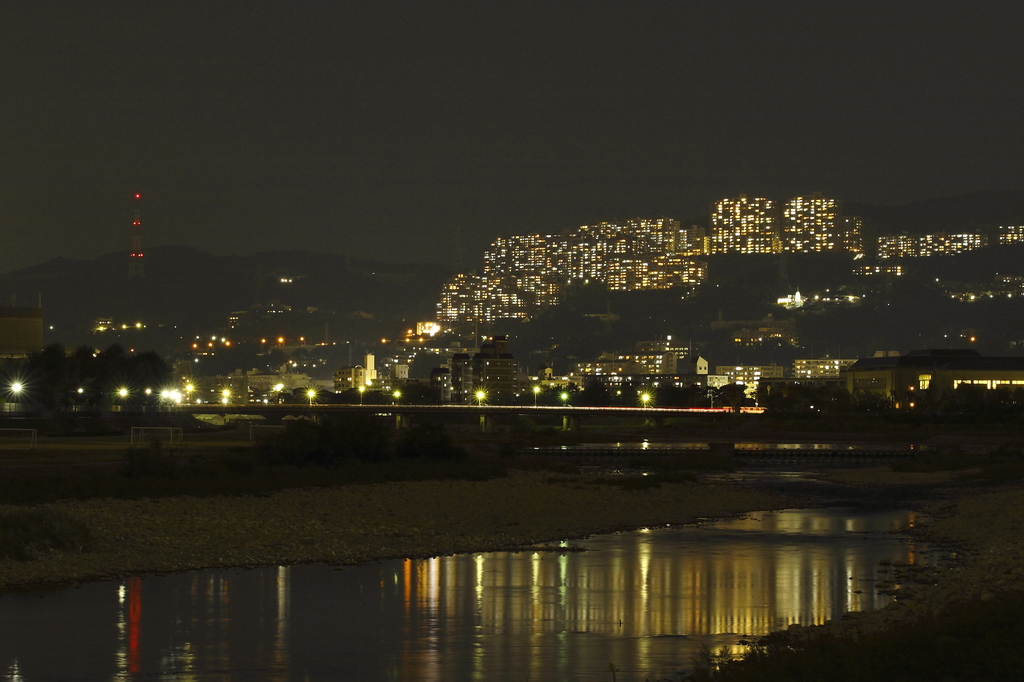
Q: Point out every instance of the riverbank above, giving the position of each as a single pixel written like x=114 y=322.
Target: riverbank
x=961 y=620
x=360 y=523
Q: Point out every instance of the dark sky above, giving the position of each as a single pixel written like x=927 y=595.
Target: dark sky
x=386 y=130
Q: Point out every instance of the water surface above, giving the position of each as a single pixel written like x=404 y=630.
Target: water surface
x=643 y=600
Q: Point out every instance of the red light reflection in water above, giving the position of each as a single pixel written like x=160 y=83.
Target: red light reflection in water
x=134 y=622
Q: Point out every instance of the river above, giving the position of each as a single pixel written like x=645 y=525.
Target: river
x=643 y=601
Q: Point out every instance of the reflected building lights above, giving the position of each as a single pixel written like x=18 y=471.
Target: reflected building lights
x=280 y=657
x=651 y=595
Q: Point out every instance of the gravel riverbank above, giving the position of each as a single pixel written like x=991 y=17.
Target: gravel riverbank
x=359 y=523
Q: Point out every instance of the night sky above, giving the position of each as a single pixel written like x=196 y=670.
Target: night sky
x=389 y=130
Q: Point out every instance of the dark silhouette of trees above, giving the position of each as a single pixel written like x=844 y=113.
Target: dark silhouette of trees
x=56 y=379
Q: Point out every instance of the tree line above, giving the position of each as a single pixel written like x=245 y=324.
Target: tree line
x=58 y=379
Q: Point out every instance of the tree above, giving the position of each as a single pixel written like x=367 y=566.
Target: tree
x=733 y=395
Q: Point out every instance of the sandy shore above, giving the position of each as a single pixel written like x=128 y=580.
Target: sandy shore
x=359 y=523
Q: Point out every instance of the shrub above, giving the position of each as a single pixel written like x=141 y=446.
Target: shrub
x=429 y=441
x=30 y=533
x=356 y=437
x=151 y=462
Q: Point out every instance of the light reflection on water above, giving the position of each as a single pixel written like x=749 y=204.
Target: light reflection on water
x=644 y=600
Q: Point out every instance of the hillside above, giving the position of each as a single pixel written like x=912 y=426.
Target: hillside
x=196 y=291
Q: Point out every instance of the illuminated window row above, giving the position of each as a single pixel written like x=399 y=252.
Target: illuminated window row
x=924 y=245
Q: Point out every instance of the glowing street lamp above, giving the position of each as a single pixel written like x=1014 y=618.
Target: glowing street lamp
x=536 y=392
x=480 y=395
x=397 y=395
x=226 y=395
x=122 y=392
x=311 y=395
x=565 y=397
x=362 y=389
x=645 y=398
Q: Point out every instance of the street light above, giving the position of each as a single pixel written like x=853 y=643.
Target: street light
x=645 y=398
x=311 y=394
x=362 y=389
x=536 y=392
x=397 y=395
x=565 y=397
x=480 y=395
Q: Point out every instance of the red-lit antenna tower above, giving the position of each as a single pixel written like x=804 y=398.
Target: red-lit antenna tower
x=136 y=267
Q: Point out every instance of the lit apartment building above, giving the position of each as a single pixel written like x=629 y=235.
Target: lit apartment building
x=851 y=231
x=627 y=274
x=582 y=258
x=523 y=263
x=525 y=272
x=750 y=375
x=866 y=270
x=471 y=298
x=810 y=224
x=671 y=270
x=1011 y=234
x=691 y=241
x=924 y=245
x=661 y=234
x=820 y=368
x=744 y=225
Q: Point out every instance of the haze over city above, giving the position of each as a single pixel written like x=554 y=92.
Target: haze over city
x=419 y=132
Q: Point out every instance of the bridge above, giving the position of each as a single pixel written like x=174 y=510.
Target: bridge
x=487 y=414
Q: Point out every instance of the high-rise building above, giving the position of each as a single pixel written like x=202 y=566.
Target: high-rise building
x=691 y=241
x=471 y=298
x=744 y=225
x=523 y=264
x=811 y=224
x=851 y=234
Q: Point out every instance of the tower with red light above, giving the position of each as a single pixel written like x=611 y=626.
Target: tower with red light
x=136 y=267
